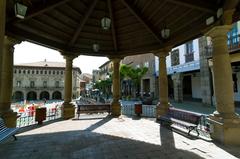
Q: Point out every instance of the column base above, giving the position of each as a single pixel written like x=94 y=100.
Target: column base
x=116 y=109
x=68 y=110
x=161 y=109
x=10 y=118
x=225 y=129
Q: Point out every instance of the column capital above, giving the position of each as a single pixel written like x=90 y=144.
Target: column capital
x=11 y=41
x=69 y=57
x=219 y=31
x=162 y=53
x=115 y=59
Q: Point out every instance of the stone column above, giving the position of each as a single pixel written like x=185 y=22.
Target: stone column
x=2 y=30
x=163 y=104
x=6 y=80
x=116 y=106
x=178 y=87
x=224 y=121
x=68 y=107
x=206 y=90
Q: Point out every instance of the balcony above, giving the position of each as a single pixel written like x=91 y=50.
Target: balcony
x=233 y=43
x=189 y=57
x=190 y=66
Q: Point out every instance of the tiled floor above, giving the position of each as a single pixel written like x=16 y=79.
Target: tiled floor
x=115 y=138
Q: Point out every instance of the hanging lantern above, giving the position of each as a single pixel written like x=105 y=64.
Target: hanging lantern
x=20 y=10
x=96 y=47
x=165 y=33
x=106 y=23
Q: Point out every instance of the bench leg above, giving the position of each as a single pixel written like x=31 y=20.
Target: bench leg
x=197 y=131
x=193 y=128
x=190 y=129
x=15 y=138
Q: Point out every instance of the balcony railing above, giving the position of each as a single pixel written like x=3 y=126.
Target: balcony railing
x=189 y=57
x=233 y=43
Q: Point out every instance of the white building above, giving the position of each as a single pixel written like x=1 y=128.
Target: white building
x=42 y=80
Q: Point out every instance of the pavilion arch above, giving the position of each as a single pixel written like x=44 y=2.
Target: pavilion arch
x=31 y=95
x=44 y=95
x=57 y=95
x=18 y=96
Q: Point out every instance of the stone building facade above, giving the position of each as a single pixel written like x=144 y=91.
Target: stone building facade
x=42 y=80
x=149 y=82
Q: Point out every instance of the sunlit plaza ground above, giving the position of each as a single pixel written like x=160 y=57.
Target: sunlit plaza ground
x=98 y=136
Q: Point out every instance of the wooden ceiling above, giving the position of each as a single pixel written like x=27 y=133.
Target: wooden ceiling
x=73 y=26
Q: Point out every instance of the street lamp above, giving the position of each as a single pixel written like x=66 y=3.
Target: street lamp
x=20 y=10
x=105 y=23
x=165 y=33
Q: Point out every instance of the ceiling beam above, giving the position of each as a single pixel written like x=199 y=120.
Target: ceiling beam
x=23 y=35
x=173 y=22
x=140 y=19
x=82 y=23
x=155 y=11
x=164 y=16
x=190 y=21
x=230 y=4
x=146 y=5
x=44 y=8
x=113 y=25
x=198 y=5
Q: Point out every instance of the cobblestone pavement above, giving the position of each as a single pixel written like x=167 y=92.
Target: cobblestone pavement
x=109 y=138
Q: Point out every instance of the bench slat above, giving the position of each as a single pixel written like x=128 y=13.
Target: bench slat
x=6 y=132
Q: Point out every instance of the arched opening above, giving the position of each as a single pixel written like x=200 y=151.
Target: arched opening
x=57 y=95
x=44 y=95
x=32 y=95
x=18 y=96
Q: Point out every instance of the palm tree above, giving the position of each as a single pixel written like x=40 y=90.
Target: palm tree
x=135 y=74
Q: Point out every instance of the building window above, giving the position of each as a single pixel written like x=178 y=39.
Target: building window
x=41 y=72
x=189 y=56
x=24 y=71
x=49 y=72
x=175 y=57
x=32 y=71
x=61 y=72
x=37 y=72
x=19 y=71
x=44 y=84
x=15 y=71
x=18 y=83
x=28 y=71
x=53 y=72
x=45 y=72
x=32 y=84
x=57 y=84
x=57 y=72
x=233 y=38
x=189 y=47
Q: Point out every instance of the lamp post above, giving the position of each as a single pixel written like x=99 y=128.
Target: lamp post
x=20 y=10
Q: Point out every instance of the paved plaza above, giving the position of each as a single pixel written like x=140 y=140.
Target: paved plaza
x=100 y=137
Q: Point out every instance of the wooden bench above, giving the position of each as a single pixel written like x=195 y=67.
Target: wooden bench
x=182 y=118
x=6 y=132
x=93 y=108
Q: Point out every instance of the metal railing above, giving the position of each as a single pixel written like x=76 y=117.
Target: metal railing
x=150 y=111
x=190 y=66
x=189 y=57
x=28 y=118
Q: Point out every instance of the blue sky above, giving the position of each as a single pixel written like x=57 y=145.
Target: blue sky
x=28 y=52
